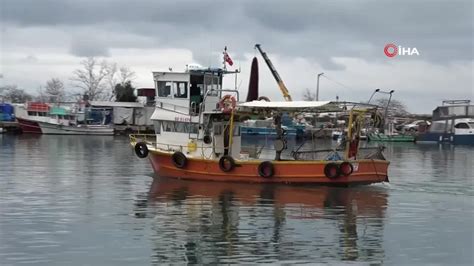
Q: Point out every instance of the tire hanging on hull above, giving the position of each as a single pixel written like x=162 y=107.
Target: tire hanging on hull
x=179 y=160
x=226 y=163
x=266 y=169
x=141 y=150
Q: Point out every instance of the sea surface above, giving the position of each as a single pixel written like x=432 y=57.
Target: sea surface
x=73 y=200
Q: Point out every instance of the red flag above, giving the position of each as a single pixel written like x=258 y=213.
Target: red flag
x=227 y=58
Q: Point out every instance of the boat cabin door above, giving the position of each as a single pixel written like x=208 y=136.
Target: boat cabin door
x=212 y=93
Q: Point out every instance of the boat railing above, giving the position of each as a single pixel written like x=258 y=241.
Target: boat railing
x=338 y=154
x=150 y=140
x=173 y=107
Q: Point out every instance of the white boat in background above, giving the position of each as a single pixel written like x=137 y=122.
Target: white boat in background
x=1 y=130
x=62 y=129
x=453 y=123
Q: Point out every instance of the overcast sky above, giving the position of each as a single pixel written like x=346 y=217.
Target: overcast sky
x=343 y=39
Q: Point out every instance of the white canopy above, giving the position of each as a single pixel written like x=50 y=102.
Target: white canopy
x=294 y=106
x=302 y=106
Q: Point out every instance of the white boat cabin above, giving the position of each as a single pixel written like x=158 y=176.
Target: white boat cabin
x=187 y=116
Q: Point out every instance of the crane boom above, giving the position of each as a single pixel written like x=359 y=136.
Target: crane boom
x=284 y=90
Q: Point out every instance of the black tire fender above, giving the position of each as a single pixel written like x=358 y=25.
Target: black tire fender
x=332 y=170
x=226 y=163
x=266 y=169
x=141 y=150
x=179 y=159
x=207 y=139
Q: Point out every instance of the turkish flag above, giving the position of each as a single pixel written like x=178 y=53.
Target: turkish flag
x=227 y=59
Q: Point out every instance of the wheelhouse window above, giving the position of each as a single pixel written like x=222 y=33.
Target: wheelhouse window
x=164 y=88
x=180 y=90
x=212 y=85
x=177 y=89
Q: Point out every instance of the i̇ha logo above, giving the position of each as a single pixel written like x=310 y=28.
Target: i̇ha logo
x=391 y=50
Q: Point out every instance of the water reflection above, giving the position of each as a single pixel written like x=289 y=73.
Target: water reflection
x=211 y=222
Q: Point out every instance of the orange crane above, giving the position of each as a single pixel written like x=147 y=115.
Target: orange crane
x=284 y=90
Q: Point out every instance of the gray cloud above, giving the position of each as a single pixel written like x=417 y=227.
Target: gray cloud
x=319 y=30
x=85 y=46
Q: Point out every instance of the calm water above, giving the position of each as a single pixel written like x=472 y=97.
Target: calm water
x=67 y=200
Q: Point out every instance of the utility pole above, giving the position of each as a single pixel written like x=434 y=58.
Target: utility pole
x=317 y=86
x=377 y=90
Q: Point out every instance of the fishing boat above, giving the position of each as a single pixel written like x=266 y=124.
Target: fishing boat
x=41 y=118
x=452 y=123
x=197 y=137
x=30 y=114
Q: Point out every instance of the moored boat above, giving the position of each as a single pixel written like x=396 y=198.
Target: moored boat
x=390 y=138
x=41 y=118
x=81 y=129
x=29 y=115
x=453 y=123
x=198 y=137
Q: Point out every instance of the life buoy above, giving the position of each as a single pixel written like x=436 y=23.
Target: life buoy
x=179 y=159
x=141 y=150
x=227 y=103
x=226 y=163
x=266 y=169
x=346 y=168
x=332 y=170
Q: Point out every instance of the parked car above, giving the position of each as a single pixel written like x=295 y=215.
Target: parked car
x=413 y=126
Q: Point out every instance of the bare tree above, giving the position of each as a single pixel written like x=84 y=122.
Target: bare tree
x=91 y=78
x=112 y=80
x=396 y=107
x=121 y=77
x=126 y=75
x=13 y=94
x=308 y=95
x=54 y=90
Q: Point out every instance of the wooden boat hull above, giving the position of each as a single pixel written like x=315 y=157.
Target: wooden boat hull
x=29 y=126
x=289 y=172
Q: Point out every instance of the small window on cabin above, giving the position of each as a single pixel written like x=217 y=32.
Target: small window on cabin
x=180 y=90
x=168 y=126
x=193 y=128
x=164 y=88
x=180 y=127
x=157 y=125
x=462 y=125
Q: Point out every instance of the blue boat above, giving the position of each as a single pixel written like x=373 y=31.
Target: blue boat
x=453 y=123
x=7 y=113
x=265 y=128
